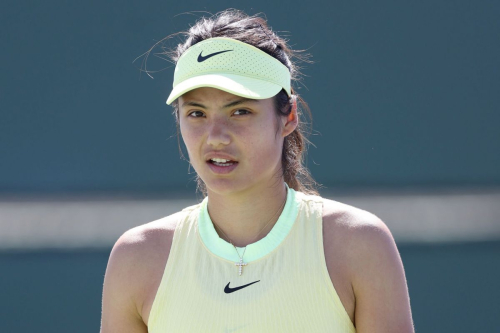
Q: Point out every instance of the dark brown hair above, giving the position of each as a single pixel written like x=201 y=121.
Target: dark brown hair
x=253 y=30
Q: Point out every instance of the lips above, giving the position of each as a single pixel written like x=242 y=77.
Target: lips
x=214 y=162
x=222 y=170
x=222 y=155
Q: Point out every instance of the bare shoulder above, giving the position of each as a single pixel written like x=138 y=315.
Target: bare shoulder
x=145 y=237
x=349 y=231
x=341 y=222
x=145 y=248
x=356 y=229
x=348 y=216
x=135 y=264
x=141 y=244
x=371 y=260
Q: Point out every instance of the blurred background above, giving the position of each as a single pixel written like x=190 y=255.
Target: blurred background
x=405 y=102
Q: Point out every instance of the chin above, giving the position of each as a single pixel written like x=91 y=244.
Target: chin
x=223 y=186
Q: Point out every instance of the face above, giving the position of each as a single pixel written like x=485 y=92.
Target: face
x=212 y=120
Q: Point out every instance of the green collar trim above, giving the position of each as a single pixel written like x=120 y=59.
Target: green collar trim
x=254 y=251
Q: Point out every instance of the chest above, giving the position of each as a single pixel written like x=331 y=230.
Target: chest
x=253 y=294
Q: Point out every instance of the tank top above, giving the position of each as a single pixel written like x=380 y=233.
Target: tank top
x=285 y=286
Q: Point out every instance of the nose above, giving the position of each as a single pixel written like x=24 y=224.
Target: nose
x=218 y=133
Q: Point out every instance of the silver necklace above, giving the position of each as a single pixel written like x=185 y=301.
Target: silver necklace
x=240 y=264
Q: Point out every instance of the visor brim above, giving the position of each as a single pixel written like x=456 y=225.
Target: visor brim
x=235 y=84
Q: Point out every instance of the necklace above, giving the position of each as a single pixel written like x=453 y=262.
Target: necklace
x=240 y=264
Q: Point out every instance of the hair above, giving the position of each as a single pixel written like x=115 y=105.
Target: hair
x=253 y=30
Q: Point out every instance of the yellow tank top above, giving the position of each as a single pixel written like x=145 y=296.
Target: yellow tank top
x=285 y=286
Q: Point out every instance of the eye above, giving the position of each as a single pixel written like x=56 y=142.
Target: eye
x=246 y=111
x=239 y=110
x=189 y=115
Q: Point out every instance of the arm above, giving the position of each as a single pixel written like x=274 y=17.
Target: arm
x=120 y=312
x=379 y=282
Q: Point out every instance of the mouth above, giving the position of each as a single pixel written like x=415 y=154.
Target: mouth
x=222 y=168
x=227 y=163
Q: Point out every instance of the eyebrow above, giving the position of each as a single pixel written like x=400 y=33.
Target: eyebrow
x=237 y=102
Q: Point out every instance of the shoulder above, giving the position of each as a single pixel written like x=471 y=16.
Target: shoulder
x=138 y=258
x=146 y=236
x=359 y=226
x=374 y=266
x=365 y=239
x=353 y=227
x=145 y=239
x=350 y=236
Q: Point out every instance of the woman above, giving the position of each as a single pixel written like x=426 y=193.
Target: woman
x=263 y=252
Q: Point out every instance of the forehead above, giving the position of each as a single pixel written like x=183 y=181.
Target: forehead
x=207 y=93
x=217 y=97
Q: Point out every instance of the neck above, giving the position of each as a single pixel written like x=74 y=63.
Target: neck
x=247 y=216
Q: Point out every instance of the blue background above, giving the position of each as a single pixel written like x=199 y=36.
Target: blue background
x=402 y=93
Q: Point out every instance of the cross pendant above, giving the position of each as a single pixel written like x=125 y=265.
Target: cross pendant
x=240 y=264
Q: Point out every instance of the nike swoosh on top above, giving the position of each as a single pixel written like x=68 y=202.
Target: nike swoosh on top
x=203 y=58
x=229 y=290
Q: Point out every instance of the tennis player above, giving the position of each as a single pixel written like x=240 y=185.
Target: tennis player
x=263 y=251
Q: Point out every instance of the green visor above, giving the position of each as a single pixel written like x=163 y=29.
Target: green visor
x=230 y=65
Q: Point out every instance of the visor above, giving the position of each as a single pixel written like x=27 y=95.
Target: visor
x=230 y=65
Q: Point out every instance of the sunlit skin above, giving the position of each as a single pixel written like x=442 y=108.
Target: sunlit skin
x=243 y=201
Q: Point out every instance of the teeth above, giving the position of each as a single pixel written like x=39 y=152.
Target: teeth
x=220 y=160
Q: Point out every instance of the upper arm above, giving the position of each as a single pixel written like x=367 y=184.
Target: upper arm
x=379 y=282
x=119 y=304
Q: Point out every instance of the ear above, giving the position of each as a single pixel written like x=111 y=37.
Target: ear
x=292 y=121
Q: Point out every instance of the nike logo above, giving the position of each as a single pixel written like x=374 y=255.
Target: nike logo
x=229 y=290
x=203 y=58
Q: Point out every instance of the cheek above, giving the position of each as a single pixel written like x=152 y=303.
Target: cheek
x=190 y=137
x=190 y=134
x=263 y=146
